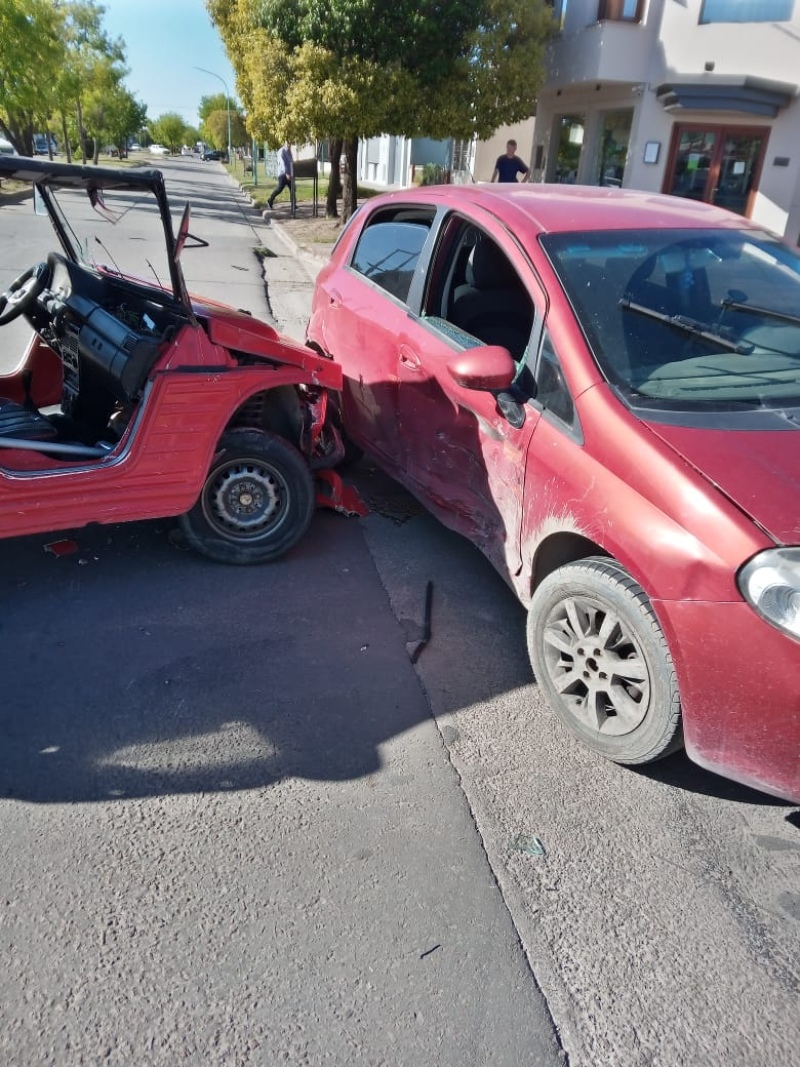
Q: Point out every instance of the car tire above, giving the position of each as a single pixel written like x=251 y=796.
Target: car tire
x=602 y=661
x=256 y=503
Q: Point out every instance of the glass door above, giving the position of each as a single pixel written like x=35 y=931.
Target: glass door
x=719 y=165
x=739 y=169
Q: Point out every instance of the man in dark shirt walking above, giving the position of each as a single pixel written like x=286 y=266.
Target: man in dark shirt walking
x=509 y=166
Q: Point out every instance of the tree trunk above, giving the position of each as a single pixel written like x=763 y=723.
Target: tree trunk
x=335 y=179
x=350 y=183
x=81 y=132
x=67 y=145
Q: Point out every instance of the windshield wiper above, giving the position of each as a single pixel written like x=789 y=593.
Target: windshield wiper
x=754 y=309
x=687 y=325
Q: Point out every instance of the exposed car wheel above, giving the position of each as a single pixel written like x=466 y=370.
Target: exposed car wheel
x=602 y=661
x=256 y=503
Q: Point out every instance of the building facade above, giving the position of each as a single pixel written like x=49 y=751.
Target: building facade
x=698 y=98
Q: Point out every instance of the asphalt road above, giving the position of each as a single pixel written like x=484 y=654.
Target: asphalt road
x=233 y=832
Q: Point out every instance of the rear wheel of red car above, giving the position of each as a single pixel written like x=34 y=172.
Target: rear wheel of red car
x=602 y=661
x=256 y=503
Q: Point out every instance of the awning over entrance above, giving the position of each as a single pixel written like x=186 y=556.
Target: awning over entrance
x=742 y=93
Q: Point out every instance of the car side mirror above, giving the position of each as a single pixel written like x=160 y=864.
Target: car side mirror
x=488 y=367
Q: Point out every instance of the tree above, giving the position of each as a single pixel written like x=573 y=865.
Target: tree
x=114 y=115
x=215 y=129
x=92 y=59
x=313 y=69
x=169 y=129
x=31 y=54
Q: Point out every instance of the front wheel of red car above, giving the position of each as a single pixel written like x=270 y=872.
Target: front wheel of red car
x=602 y=661
x=256 y=503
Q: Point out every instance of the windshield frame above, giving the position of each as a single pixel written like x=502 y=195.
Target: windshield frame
x=49 y=177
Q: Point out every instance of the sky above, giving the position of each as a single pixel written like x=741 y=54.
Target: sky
x=164 y=41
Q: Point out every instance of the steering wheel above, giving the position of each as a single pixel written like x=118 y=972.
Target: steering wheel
x=23 y=293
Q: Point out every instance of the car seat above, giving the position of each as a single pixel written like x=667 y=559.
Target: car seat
x=493 y=305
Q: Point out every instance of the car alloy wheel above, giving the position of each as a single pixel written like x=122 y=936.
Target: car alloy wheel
x=603 y=663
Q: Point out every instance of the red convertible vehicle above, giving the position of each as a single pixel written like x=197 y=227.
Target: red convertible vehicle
x=135 y=400
x=601 y=389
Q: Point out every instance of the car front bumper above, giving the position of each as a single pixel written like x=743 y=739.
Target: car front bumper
x=739 y=680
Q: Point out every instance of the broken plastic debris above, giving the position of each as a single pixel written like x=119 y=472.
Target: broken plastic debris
x=61 y=548
x=532 y=845
x=331 y=492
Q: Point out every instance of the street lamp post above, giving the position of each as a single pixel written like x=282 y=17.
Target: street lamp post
x=228 y=101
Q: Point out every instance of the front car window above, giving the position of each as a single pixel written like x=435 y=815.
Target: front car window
x=474 y=295
x=687 y=320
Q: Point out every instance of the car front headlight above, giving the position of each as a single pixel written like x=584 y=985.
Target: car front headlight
x=770 y=583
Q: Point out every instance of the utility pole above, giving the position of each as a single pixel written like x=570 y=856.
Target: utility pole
x=228 y=100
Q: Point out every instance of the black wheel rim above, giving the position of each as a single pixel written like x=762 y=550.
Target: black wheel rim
x=597 y=666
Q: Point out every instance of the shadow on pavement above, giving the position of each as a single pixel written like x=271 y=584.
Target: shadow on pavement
x=134 y=669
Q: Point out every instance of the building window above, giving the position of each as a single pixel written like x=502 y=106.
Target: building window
x=565 y=161
x=747 y=11
x=620 y=10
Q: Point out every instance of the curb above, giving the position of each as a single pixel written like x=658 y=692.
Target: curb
x=296 y=250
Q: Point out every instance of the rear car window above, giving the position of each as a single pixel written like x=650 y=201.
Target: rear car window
x=387 y=254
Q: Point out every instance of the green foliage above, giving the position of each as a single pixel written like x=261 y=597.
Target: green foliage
x=308 y=69
x=215 y=129
x=215 y=102
x=31 y=53
x=433 y=174
x=114 y=116
x=170 y=130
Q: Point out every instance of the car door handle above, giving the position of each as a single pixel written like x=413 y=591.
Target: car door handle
x=335 y=298
x=409 y=358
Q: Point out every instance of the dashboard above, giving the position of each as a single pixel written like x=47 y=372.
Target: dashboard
x=105 y=328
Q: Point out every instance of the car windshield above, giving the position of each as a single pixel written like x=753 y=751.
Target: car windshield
x=687 y=319
x=117 y=230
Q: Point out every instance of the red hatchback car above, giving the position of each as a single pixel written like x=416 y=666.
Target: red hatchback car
x=601 y=389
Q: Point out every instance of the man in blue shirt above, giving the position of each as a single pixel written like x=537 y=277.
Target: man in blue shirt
x=285 y=173
x=509 y=166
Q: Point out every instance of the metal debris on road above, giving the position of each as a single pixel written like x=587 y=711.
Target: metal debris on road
x=415 y=647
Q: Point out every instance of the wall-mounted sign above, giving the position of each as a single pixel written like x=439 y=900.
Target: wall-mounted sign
x=651 y=151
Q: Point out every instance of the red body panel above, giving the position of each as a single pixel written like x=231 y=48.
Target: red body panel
x=740 y=689
x=760 y=471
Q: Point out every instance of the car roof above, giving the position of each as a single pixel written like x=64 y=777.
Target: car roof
x=572 y=208
x=44 y=172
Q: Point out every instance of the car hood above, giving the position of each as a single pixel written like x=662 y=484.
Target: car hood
x=759 y=470
x=241 y=332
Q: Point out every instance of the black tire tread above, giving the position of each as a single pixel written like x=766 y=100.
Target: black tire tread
x=255 y=442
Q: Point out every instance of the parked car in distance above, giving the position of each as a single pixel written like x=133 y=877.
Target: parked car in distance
x=158 y=150
x=7 y=148
x=601 y=389
x=40 y=145
x=217 y=154
x=134 y=400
